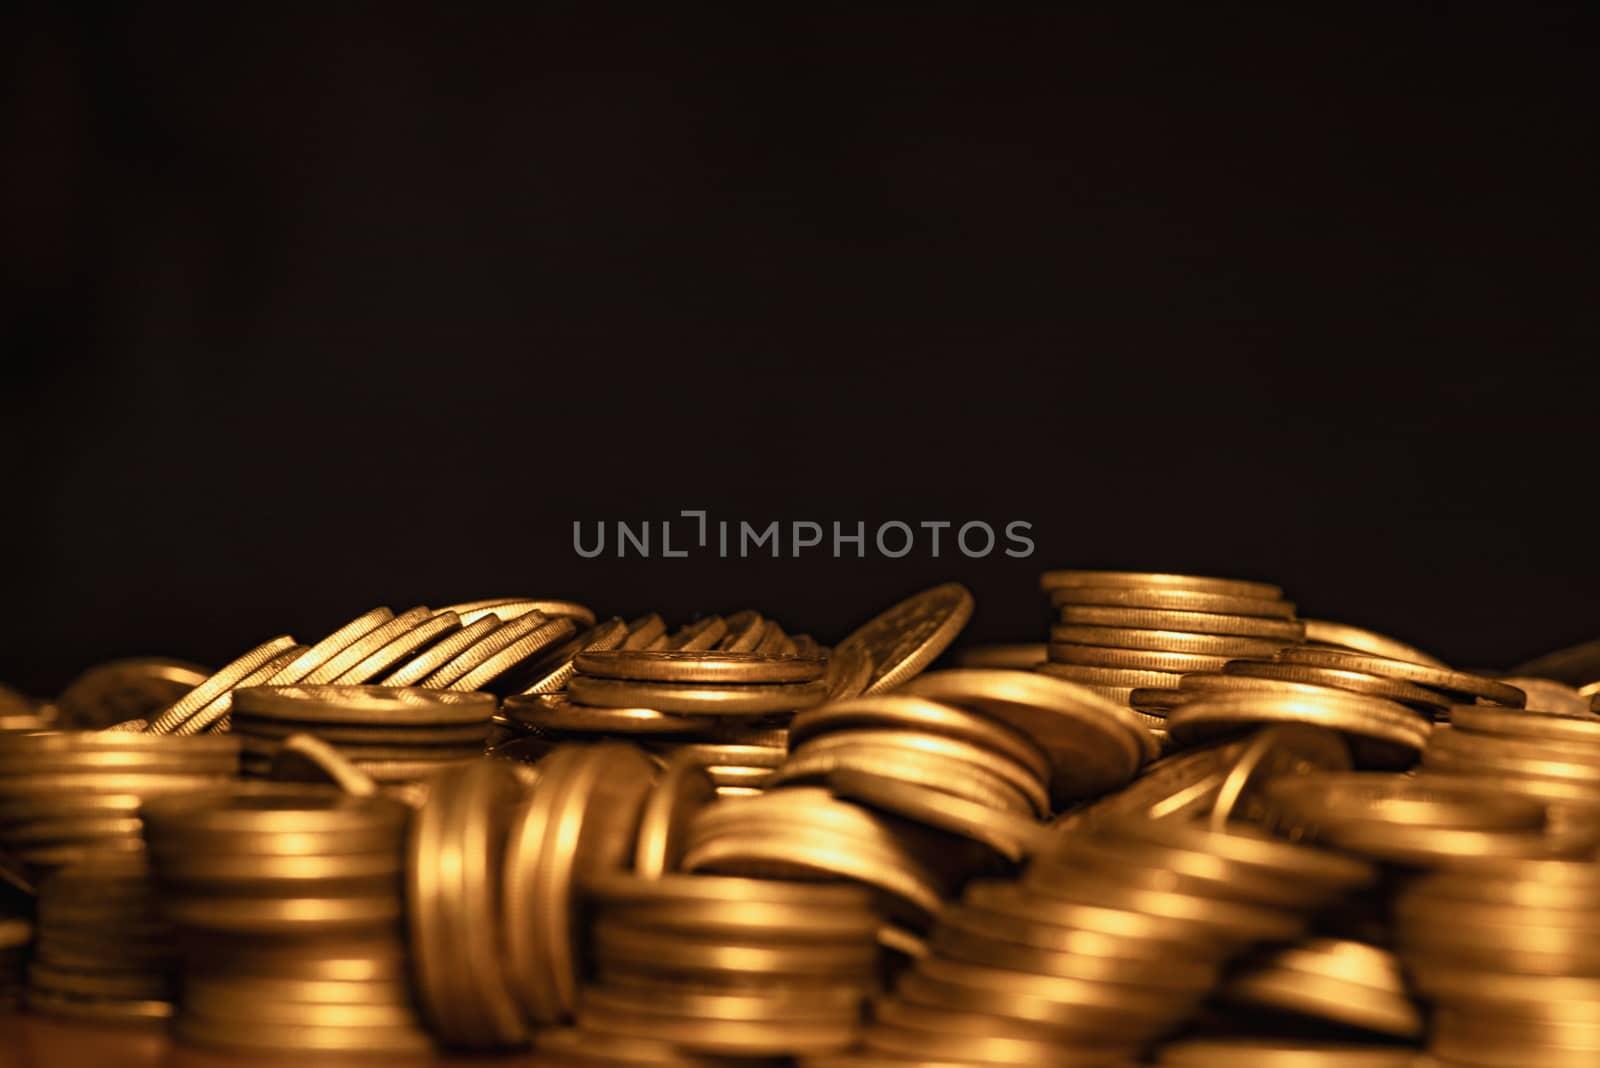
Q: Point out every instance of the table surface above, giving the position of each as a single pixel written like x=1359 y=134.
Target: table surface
x=28 y=1041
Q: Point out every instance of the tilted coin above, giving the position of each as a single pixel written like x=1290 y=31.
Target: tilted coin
x=216 y=716
x=1289 y=749
x=1546 y=695
x=700 y=635
x=508 y=652
x=682 y=790
x=1181 y=785
x=1356 y=639
x=1333 y=678
x=649 y=631
x=1421 y=674
x=508 y=608
x=906 y=638
x=335 y=643
x=306 y=758
x=436 y=656
x=400 y=649
x=559 y=665
x=914 y=713
x=167 y=720
x=1011 y=836
x=364 y=705
x=557 y=712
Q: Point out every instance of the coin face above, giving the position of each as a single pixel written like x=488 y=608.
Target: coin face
x=906 y=638
x=119 y=690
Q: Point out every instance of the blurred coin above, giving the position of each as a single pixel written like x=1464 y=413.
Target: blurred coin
x=168 y=719
x=137 y=687
x=721 y=667
x=904 y=639
x=736 y=699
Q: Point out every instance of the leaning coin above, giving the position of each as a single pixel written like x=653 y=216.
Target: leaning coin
x=1422 y=674
x=400 y=649
x=683 y=790
x=214 y=687
x=906 y=638
x=1344 y=636
x=1289 y=749
x=557 y=667
x=436 y=656
x=557 y=712
x=124 y=689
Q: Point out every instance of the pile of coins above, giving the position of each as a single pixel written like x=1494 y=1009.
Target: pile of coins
x=288 y=908
x=104 y=948
x=1202 y=831
x=390 y=733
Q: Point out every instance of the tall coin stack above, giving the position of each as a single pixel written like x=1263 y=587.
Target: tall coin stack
x=391 y=733
x=104 y=951
x=1119 y=631
x=287 y=903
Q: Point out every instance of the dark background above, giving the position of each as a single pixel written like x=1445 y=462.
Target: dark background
x=339 y=305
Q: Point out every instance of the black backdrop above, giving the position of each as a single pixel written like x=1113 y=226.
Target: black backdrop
x=313 y=311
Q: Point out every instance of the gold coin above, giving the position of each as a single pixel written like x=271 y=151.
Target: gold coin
x=215 y=687
x=493 y=643
x=556 y=668
x=738 y=699
x=1401 y=733
x=1089 y=675
x=1012 y=837
x=1548 y=696
x=959 y=938
x=557 y=712
x=1355 y=639
x=959 y=777
x=1330 y=678
x=1127 y=1001
x=649 y=631
x=308 y=759
x=254 y=732
x=242 y=990
x=109 y=1010
x=1020 y=657
x=1421 y=674
x=1332 y=979
x=903 y=640
x=683 y=790
x=745 y=631
x=1258 y=851
x=1052 y=580
x=247 y=1035
x=290 y=916
x=1172 y=599
x=1190 y=623
x=763 y=923
x=508 y=608
x=336 y=642
x=1094 y=745
x=702 y=634
x=217 y=715
x=786 y=854
x=721 y=667
x=1027 y=779
x=676 y=952
x=1179 y=786
x=436 y=656
x=131 y=688
x=1135 y=659
x=400 y=649
x=1163 y=641
x=912 y=713
x=368 y=705
x=781 y=1005
x=849 y=672
x=572 y=1048
x=362 y=647
x=1275 y=753
x=247 y=808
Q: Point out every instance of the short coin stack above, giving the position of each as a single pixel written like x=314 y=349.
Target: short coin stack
x=1124 y=630
x=730 y=967
x=1549 y=758
x=67 y=796
x=1506 y=954
x=104 y=951
x=393 y=734
x=287 y=903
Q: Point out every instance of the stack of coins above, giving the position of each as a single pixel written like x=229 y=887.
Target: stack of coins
x=1122 y=630
x=1506 y=954
x=1103 y=945
x=741 y=685
x=1550 y=758
x=67 y=796
x=728 y=967
x=391 y=733
x=287 y=903
x=104 y=951
x=923 y=742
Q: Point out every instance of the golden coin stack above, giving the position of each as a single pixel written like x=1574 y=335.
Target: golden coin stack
x=391 y=733
x=1122 y=630
x=1506 y=954
x=104 y=950
x=1105 y=944
x=1550 y=758
x=67 y=796
x=287 y=903
x=726 y=967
